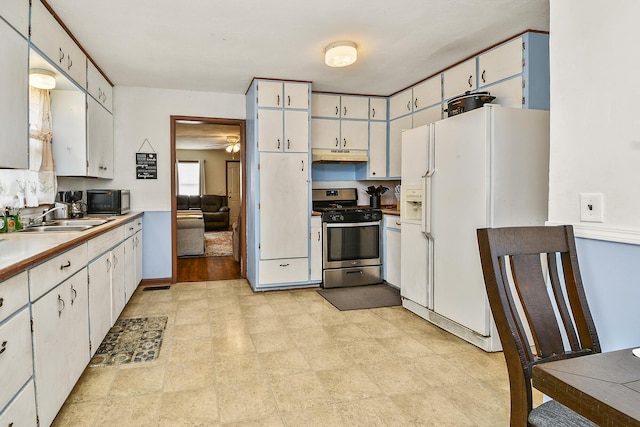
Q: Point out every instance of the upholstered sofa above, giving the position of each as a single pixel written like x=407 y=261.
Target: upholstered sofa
x=215 y=211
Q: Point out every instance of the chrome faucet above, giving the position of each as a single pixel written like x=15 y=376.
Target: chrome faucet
x=32 y=221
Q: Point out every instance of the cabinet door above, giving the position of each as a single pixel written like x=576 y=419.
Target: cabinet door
x=325 y=105
x=138 y=238
x=296 y=131
x=16 y=13
x=99 y=300
x=14 y=75
x=395 y=144
x=296 y=95
x=118 y=298
x=316 y=249
x=392 y=256
x=401 y=104
x=508 y=93
x=15 y=355
x=270 y=94
x=56 y=44
x=325 y=133
x=502 y=62
x=427 y=93
x=427 y=115
x=459 y=79
x=77 y=327
x=354 y=135
x=270 y=130
x=98 y=87
x=99 y=141
x=284 y=205
x=69 y=143
x=22 y=411
x=129 y=267
x=377 y=150
x=378 y=108
x=354 y=107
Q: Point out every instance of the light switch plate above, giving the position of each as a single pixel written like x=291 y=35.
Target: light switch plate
x=591 y=207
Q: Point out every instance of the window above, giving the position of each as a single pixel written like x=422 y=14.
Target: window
x=189 y=178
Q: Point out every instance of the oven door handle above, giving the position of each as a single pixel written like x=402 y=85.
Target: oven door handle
x=351 y=224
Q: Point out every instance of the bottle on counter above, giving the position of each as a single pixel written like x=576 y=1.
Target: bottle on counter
x=3 y=223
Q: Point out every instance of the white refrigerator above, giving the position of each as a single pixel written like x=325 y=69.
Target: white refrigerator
x=485 y=168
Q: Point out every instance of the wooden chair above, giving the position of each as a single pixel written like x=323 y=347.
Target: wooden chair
x=523 y=267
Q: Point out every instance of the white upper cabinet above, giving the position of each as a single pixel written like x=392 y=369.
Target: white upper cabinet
x=283 y=131
x=325 y=105
x=98 y=87
x=325 y=134
x=354 y=107
x=354 y=135
x=296 y=95
x=401 y=104
x=377 y=150
x=296 y=131
x=69 y=123
x=14 y=90
x=99 y=141
x=427 y=93
x=459 y=79
x=427 y=115
x=502 y=62
x=283 y=95
x=270 y=130
x=16 y=13
x=377 y=108
x=52 y=40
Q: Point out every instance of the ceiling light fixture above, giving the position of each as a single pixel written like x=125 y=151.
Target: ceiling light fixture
x=340 y=54
x=42 y=79
x=233 y=144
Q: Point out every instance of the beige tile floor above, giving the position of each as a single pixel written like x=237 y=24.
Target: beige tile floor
x=231 y=357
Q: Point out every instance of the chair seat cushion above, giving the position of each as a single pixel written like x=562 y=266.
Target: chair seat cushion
x=554 y=414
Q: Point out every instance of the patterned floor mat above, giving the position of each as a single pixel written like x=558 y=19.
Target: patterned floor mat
x=131 y=340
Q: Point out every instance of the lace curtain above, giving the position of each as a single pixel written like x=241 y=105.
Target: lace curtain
x=37 y=185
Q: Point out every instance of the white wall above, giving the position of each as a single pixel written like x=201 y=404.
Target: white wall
x=145 y=113
x=215 y=166
x=595 y=117
x=595 y=147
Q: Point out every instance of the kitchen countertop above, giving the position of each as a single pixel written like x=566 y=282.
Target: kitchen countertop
x=19 y=251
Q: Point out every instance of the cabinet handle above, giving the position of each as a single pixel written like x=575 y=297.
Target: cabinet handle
x=69 y=62
x=337 y=142
x=115 y=262
x=398 y=223
x=318 y=236
x=470 y=77
x=288 y=100
x=108 y=265
x=482 y=76
x=337 y=110
x=75 y=294
x=67 y=265
x=344 y=142
x=60 y=300
x=409 y=106
x=355 y=272
x=61 y=56
x=288 y=144
x=1 y=302
x=284 y=265
x=278 y=100
x=373 y=173
x=4 y=347
x=302 y=161
x=278 y=143
x=345 y=111
x=373 y=113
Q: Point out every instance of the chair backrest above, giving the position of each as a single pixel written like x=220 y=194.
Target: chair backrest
x=538 y=303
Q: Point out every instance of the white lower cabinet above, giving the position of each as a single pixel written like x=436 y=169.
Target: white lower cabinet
x=60 y=343
x=22 y=411
x=15 y=355
x=132 y=257
x=284 y=270
x=316 y=249
x=118 y=298
x=392 y=250
x=99 y=299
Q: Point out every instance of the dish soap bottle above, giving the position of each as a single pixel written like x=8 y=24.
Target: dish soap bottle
x=3 y=223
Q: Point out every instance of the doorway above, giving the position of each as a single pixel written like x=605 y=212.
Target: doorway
x=214 y=143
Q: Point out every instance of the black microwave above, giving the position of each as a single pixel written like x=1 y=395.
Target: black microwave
x=108 y=202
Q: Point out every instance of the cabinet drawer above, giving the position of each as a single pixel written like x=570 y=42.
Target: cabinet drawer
x=392 y=221
x=132 y=227
x=53 y=271
x=15 y=355
x=22 y=411
x=102 y=243
x=284 y=270
x=14 y=293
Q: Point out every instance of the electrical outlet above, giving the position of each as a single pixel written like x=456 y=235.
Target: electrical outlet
x=591 y=207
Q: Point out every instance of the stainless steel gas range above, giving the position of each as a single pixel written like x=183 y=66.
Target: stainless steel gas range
x=352 y=239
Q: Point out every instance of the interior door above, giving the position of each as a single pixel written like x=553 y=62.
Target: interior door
x=233 y=189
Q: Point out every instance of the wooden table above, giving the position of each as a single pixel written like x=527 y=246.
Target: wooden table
x=603 y=387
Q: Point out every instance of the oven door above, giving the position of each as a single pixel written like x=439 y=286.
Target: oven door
x=351 y=244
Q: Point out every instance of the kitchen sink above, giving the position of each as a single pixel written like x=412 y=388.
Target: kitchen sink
x=47 y=228
x=77 y=222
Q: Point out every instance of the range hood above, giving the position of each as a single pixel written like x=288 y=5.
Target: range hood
x=339 y=156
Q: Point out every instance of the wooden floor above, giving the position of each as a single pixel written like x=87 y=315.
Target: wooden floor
x=208 y=269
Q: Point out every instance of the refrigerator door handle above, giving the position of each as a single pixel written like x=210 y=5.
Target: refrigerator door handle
x=426 y=204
